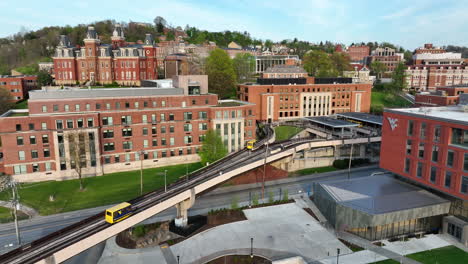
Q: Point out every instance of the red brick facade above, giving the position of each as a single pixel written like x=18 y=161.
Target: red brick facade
x=427 y=150
x=358 y=53
x=430 y=77
x=104 y=63
x=443 y=96
x=18 y=86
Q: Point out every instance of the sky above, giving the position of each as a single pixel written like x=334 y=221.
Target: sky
x=407 y=23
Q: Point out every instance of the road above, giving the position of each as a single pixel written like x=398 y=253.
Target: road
x=219 y=198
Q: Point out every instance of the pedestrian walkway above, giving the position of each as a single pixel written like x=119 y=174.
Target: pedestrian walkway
x=168 y=255
x=26 y=209
x=353 y=239
x=453 y=241
x=307 y=203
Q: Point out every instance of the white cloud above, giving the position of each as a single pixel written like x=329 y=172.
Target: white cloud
x=404 y=12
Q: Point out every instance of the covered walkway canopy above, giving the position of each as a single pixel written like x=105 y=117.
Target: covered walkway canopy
x=334 y=126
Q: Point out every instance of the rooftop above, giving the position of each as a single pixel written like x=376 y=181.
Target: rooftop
x=374 y=119
x=68 y=93
x=330 y=122
x=229 y=102
x=285 y=69
x=379 y=194
x=454 y=114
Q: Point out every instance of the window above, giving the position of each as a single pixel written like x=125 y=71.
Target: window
x=435 y=153
x=163 y=154
x=48 y=166
x=45 y=139
x=18 y=127
x=408 y=147
x=202 y=138
x=127 y=157
x=55 y=108
x=136 y=104
x=202 y=126
x=20 y=169
x=126 y=120
x=171 y=129
x=108 y=133
x=98 y=106
x=163 y=141
x=117 y=105
x=59 y=124
x=44 y=109
x=422 y=131
x=184 y=104
x=44 y=126
x=202 y=115
x=410 y=127
x=171 y=117
x=460 y=137
x=187 y=116
x=21 y=155
x=66 y=108
x=464 y=184
x=465 y=162
x=163 y=117
x=127 y=105
x=90 y=122
x=187 y=127
x=145 y=104
x=127 y=145
x=107 y=121
x=172 y=153
x=419 y=171
x=187 y=139
x=69 y=123
x=145 y=143
x=77 y=107
x=163 y=129
x=19 y=141
x=154 y=131
x=80 y=122
x=448 y=179
x=46 y=152
x=433 y=177
x=144 y=119
x=163 y=103
x=109 y=146
x=32 y=139
x=127 y=132
x=171 y=141
x=421 y=150
x=154 y=142
x=107 y=160
x=117 y=158
x=31 y=126
x=145 y=131
x=437 y=133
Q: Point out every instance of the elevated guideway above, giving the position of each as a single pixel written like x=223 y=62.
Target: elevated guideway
x=63 y=244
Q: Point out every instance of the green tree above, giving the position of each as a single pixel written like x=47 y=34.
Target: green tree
x=244 y=66
x=318 y=64
x=255 y=199
x=285 y=195
x=234 y=203
x=341 y=62
x=398 y=78
x=6 y=100
x=44 y=78
x=212 y=148
x=221 y=74
x=378 y=68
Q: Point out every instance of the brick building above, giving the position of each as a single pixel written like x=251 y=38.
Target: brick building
x=429 y=147
x=281 y=95
x=118 y=127
x=443 y=96
x=429 y=48
x=105 y=63
x=19 y=86
x=358 y=53
x=387 y=56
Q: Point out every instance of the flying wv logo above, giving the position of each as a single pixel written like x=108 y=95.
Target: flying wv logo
x=393 y=122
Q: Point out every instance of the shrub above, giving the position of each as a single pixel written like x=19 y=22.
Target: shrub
x=271 y=199
x=255 y=199
x=234 y=204
x=139 y=231
x=285 y=195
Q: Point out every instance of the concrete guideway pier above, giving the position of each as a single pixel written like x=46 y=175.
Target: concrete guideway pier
x=182 y=210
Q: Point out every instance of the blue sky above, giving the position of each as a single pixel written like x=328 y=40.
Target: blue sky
x=409 y=23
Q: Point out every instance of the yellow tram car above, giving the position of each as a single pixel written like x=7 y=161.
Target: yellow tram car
x=118 y=213
x=251 y=143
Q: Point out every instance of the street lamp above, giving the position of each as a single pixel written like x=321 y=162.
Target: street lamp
x=141 y=152
x=165 y=180
x=178 y=259
x=337 y=255
x=251 y=247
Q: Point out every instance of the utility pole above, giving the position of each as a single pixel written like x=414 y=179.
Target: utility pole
x=141 y=152
x=15 y=203
x=165 y=180
x=264 y=171
x=349 y=164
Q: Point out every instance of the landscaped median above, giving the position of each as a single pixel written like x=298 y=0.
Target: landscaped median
x=102 y=190
x=444 y=255
x=286 y=132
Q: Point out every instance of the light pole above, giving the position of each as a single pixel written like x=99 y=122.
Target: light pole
x=15 y=203
x=349 y=164
x=178 y=259
x=165 y=180
x=337 y=255
x=264 y=171
x=251 y=247
x=141 y=152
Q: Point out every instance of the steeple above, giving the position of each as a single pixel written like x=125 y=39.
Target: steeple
x=118 y=38
x=149 y=40
x=91 y=34
x=64 y=41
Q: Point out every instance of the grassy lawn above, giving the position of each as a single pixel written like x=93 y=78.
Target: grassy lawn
x=22 y=105
x=7 y=216
x=444 y=255
x=379 y=100
x=286 y=132
x=102 y=190
x=312 y=171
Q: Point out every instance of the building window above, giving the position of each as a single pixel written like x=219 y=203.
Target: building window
x=187 y=139
x=171 y=129
x=408 y=147
x=187 y=116
x=163 y=154
x=154 y=131
x=44 y=126
x=108 y=133
x=202 y=138
x=48 y=166
x=163 y=141
x=77 y=107
x=410 y=127
x=422 y=131
x=21 y=155
x=433 y=177
x=460 y=137
x=202 y=126
x=90 y=122
x=171 y=141
x=187 y=127
x=144 y=119
x=45 y=139
x=465 y=162
x=31 y=126
x=19 y=141
x=127 y=145
x=117 y=158
x=88 y=107
x=145 y=131
x=20 y=169
x=421 y=150
x=98 y=106
x=448 y=179
x=44 y=109
x=55 y=108
x=163 y=129
x=18 y=127
x=435 y=153
x=69 y=123
x=46 y=153
x=107 y=160
x=32 y=140
x=59 y=124
x=464 y=184
x=163 y=117
x=172 y=153
x=109 y=146
x=127 y=157
x=145 y=143
x=154 y=142
x=419 y=170
x=80 y=122
x=127 y=132
x=202 y=115
x=67 y=108
x=171 y=117
x=107 y=121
